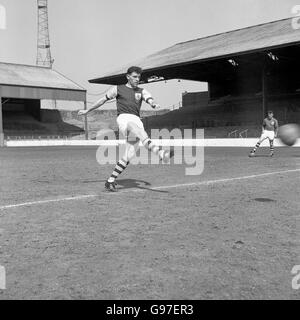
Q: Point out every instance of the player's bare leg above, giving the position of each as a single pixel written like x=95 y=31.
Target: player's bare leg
x=164 y=155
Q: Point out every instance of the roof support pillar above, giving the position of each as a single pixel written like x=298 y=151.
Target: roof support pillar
x=1 y=122
x=264 y=91
x=86 y=126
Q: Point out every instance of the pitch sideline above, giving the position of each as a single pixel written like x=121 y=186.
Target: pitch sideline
x=80 y=197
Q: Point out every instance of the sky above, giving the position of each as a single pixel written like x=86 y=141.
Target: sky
x=92 y=37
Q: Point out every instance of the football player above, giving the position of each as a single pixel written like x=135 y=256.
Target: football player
x=129 y=98
x=269 y=131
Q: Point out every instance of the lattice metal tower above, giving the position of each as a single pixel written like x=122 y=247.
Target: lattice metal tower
x=43 y=58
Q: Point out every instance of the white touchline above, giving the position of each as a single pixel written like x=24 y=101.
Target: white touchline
x=143 y=190
x=224 y=180
x=47 y=201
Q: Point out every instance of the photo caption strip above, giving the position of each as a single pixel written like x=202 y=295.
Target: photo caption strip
x=148 y=309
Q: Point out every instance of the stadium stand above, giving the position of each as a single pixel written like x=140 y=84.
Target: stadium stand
x=227 y=114
x=20 y=124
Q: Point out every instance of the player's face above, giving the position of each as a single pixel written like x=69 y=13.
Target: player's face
x=270 y=115
x=134 y=79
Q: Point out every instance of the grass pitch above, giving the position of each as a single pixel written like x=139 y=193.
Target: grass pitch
x=164 y=235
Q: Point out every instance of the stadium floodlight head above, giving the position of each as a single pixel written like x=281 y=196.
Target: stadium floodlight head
x=273 y=56
x=155 y=79
x=233 y=62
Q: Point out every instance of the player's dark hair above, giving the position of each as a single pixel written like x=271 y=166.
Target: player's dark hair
x=270 y=111
x=134 y=69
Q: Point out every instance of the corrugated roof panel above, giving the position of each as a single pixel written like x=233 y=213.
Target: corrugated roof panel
x=33 y=76
x=255 y=38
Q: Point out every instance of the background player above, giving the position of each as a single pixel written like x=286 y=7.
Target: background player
x=129 y=98
x=269 y=131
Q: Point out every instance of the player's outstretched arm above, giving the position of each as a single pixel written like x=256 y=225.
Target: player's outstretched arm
x=110 y=94
x=154 y=105
x=276 y=128
x=148 y=99
x=263 y=126
x=95 y=106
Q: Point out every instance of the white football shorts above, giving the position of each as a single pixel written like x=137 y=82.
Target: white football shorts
x=125 y=118
x=267 y=134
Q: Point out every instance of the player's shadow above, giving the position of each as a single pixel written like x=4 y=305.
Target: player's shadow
x=262 y=156
x=124 y=184
x=136 y=184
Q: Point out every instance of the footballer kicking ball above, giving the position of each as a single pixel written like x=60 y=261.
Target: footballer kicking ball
x=289 y=133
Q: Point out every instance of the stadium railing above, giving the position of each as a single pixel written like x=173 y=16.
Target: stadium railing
x=68 y=136
x=235 y=133
x=244 y=132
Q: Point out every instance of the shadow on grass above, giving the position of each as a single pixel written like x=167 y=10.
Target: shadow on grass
x=124 y=184
x=261 y=156
x=136 y=184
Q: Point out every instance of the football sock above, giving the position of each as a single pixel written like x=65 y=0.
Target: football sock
x=272 y=146
x=257 y=146
x=120 y=167
x=147 y=143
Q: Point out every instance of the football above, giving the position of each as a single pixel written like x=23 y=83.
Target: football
x=289 y=133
